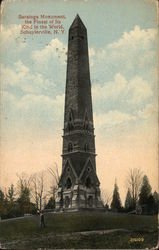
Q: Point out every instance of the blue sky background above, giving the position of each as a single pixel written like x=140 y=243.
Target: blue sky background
x=122 y=38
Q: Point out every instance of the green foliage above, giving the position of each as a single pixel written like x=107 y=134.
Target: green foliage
x=3 y=202
x=116 y=202
x=146 y=199
x=24 y=199
x=151 y=204
x=3 y=207
x=11 y=207
x=11 y=193
x=50 y=204
x=145 y=191
x=128 y=202
x=2 y=196
x=156 y=197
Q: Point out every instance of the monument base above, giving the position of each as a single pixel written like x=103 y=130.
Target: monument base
x=79 y=198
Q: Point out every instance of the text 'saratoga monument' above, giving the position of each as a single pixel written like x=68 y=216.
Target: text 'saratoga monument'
x=78 y=185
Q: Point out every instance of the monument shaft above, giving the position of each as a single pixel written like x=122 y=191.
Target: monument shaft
x=79 y=184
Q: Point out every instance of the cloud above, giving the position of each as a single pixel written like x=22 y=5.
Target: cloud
x=91 y=52
x=134 y=91
x=139 y=90
x=137 y=38
x=149 y=111
x=20 y=76
x=37 y=111
x=118 y=100
x=96 y=54
x=129 y=65
x=134 y=53
x=110 y=89
x=11 y=39
x=122 y=101
x=13 y=45
x=135 y=50
x=112 y=118
x=54 y=50
x=50 y=61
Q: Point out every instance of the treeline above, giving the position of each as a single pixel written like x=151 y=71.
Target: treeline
x=139 y=198
x=38 y=191
x=31 y=193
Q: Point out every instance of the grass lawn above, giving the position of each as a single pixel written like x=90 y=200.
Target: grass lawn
x=27 y=234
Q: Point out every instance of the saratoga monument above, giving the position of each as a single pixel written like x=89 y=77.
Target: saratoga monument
x=78 y=187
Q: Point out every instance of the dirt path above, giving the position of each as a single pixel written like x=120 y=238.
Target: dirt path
x=95 y=232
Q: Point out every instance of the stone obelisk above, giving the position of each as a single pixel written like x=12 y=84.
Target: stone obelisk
x=78 y=185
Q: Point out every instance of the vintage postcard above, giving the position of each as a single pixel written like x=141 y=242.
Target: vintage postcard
x=79 y=124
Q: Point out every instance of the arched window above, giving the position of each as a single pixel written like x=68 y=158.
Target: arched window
x=88 y=182
x=86 y=147
x=86 y=122
x=70 y=121
x=68 y=183
x=70 y=147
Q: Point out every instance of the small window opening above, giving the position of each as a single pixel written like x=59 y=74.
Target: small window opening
x=70 y=121
x=86 y=147
x=70 y=147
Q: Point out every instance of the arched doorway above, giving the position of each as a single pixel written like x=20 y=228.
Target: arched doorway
x=88 y=182
x=67 y=201
x=90 y=201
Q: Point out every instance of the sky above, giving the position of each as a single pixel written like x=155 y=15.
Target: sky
x=122 y=40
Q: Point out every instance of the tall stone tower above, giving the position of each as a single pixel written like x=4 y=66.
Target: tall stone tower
x=79 y=184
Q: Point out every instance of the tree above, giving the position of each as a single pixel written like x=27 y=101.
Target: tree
x=116 y=202
x=106 y=198
x=50 y=204
x=156 y=196
x=133 y=181
x=8 y=208
x=156 y=199
x=24 y=190
x=2 y=196
x=128 y=201
x=11 y=193
x=151 y=206
x=24 y=200
x=38 y=190
x=145 y=191
x=11 y=204
x=3 y=210
x=146 y=199
x=55 y=177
